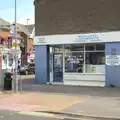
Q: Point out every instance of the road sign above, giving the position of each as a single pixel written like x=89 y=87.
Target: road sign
x=12 y=30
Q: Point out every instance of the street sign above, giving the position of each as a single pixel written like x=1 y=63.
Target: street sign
x=12 y=29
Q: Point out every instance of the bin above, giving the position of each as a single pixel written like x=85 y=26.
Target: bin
x=8 y=81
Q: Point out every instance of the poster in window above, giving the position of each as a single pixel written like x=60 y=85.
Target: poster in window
x=113 y=60
x=0 y=63
x=113 y=51
x=92 y=69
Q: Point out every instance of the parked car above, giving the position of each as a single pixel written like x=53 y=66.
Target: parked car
x=27 y=69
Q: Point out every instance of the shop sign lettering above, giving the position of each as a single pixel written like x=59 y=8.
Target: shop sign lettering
x=88 y=38
x=75 y=60
x=39 y=40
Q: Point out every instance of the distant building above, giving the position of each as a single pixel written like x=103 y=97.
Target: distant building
x=23 y=36
x=30 y=46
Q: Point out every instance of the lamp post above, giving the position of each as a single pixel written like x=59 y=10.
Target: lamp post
x=16 y=60
x=27 y=23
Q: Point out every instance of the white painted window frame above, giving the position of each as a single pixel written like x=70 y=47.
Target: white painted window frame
x=64 y=52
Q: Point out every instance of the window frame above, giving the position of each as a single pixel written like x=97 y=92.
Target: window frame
x=84 y=56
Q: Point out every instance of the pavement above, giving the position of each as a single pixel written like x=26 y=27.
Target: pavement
x=37 y=101
x=90 y=106
x=29 y=86
x=73 y=90
x=79 y=101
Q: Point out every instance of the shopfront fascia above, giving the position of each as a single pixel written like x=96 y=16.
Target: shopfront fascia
x=77 y=59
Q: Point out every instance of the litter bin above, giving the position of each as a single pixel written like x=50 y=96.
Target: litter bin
x=8 y=81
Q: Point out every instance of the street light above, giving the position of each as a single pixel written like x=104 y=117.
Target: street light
x=27 y=23
x=16 y=61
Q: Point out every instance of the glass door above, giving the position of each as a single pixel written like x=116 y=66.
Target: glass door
x=57 y=67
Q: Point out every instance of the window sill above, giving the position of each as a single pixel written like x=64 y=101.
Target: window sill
x=85 y=73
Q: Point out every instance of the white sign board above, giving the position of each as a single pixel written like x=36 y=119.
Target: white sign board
x=12 y=29
x=113 y=60
x=77 y=38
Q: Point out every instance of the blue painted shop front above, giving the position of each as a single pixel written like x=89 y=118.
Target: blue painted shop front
x=112 y=63
x=42 y=64
x=113 y=71
x=42 y=73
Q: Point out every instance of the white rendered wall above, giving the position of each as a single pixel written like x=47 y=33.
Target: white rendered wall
x=84 y=79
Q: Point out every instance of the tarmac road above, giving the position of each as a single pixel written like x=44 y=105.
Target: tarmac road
x=10 y=115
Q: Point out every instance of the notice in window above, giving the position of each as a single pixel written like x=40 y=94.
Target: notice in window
x=113 y=60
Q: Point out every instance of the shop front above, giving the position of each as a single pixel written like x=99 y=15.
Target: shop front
x=78 y=59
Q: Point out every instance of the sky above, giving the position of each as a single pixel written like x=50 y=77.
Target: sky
x=25 y=10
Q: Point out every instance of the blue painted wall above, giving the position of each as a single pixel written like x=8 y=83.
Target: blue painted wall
x=112 y=72
x=41 y=64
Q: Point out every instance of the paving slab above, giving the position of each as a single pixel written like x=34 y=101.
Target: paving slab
x=97 y=106
x=81 y=105
x=37 y=101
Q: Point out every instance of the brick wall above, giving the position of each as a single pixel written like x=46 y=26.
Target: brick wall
x=76 y=16
x=4 y=33
x=29 y=45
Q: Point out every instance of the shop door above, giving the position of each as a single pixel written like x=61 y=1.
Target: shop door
x=57 y=67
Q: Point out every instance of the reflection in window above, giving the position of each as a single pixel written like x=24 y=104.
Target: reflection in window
x=95 y=62
x=90 y=47
x=79 y=47
x=58 y=48
x=100 y=46
x=50 y=63
x=74 y=62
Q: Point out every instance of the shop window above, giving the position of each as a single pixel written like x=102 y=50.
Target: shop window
x=50 y=63
x=100 y=46
x=58 y=48
x=90 y=47
x=94 y=62
x=75 y=47
x=50 y=49
x=74 y=62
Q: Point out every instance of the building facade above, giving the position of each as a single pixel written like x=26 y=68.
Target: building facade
x=77 y=42
x=23 y=38
x=30 y=46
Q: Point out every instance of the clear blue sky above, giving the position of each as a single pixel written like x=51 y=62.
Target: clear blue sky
x=24 y=8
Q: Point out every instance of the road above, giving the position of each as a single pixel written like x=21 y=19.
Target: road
x=10 y=115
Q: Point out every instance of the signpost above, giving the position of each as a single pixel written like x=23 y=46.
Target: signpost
x=13 y=32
